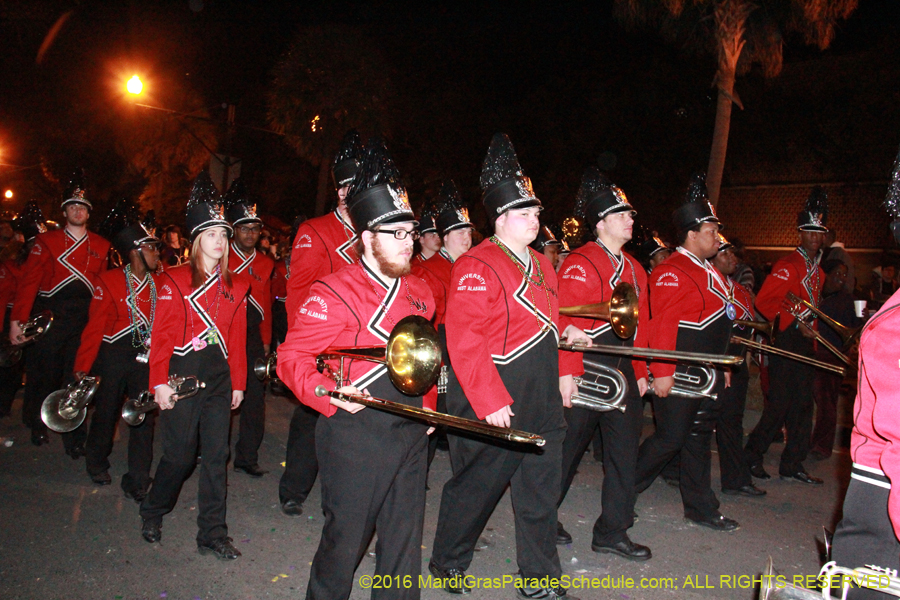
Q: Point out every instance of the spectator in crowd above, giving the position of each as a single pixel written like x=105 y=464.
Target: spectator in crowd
x=835 y=249
x=884 y=284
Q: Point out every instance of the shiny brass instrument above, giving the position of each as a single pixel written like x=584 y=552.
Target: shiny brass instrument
x=655 y=354
x=697 y=382
x=32 y=330
x=775 y=587
x=766 y=328
x=848 y=334
x=795 y=309
x=621 y=310
x=786 y=354
x=264 y=368
x=64 y=410
x=601 y=388
x=135 y=410
x=412 y=357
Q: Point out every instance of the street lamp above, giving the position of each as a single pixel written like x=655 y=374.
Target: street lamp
x=134 y=85
x=8 y=194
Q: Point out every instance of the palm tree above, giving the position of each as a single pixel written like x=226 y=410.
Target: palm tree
x=740 y=33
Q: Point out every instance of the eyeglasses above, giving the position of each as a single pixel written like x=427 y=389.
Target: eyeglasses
x=400 y=234
x=246 y=229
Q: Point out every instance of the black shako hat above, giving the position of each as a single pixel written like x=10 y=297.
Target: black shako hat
x=503 y=183
x=126 y=230
x=892 y=200
x=347 y=160
x=204 y=208
x=426 y=218
x=598 y=197
x=239 y=208
x=696 y=208
x=451 y=213
x=544 y=238
x=724 y=244
x=815 y=214
x=376 y=196
x=649 y=244
x=30 y=221
x=75 y=190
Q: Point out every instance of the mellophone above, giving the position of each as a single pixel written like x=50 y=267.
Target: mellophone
x=32 y=330
x=135 y=410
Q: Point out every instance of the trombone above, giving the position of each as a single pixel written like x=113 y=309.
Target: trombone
x=792 y=305
x=656 y=354
x=621 y=310
x=770 y=329
x=412 y=357
x=848 y=334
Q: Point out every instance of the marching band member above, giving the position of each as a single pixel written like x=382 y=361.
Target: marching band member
x=59 y=276
x=200 y=330
x=791 y=389
x=257 y=267
x=429 y=238
x=547 y=244
x=115 y=346
x=372 y=464
x=322 y=245
x=692 y=311
x=589 y=275
x=502 y=338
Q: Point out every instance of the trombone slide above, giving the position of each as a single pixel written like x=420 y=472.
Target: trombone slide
x=655 y=354
x=781 y=352
x=436 y=418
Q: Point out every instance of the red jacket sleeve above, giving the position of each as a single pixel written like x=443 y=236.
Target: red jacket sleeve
x=576 y=289
x=169 y=322
x=237 y=342
x=7 y=287
x=470 y=322
x=642 y=335
x=306 y=267
x=669 y=286
x=36 y=267
x=102 y=311
x=265 y=328
x=309 y=337
x=437 y=291
x=774 y=289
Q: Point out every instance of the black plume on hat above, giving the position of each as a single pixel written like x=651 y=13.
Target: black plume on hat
x=123 y=226
x=649 y=244
x=377 y=196
x=544 y=237
x=503 y=182
x=347 y=159
x=149 y=222
x=427 y=217
x=598 y=197
x=892 y=201
x=204 y=208
x=30 y=221
x=814 y=215
x=696 y=208
x=75 y=190
x=451 y=213
x=239 y=208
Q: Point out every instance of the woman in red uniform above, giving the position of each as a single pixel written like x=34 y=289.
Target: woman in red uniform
x=200 y=330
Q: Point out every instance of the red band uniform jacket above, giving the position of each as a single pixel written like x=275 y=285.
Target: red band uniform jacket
x=589 y=275
x=790 y=274
x=436 y=273
x=258 y=268
x=322 y=245
x=207 y=314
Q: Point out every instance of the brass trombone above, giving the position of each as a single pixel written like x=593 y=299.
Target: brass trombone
x=621 y=310
x=848 y=334
x=770 y=329
x=793 y=305
x=656 y=354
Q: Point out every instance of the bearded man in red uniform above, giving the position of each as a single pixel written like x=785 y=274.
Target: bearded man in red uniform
x=502 y=338
x=240 y=210
x=372 y=464
x=59 y=276
x=322 y=245
x=692 y=310
x=115 y=346
x=588 y=275
x=791 y=386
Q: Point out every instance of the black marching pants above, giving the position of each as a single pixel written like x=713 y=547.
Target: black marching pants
x=51 y=360
x=373 y=471
x=790 y=404
x=252 y=426
x=301 y=465
x=204 y=418
x=120 y=375
x=620 y=435
x=684 y=428
x=735 y=472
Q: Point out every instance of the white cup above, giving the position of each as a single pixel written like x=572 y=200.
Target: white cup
x=860 y=308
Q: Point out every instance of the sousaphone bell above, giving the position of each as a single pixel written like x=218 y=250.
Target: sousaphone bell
x=64 y=410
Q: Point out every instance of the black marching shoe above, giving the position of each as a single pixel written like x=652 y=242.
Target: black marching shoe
x=76 y=451
x=802 y=477
x=625 y=548
x=543 y=593
x=151 y=531
x=251 y=470
x=563 y=537
x=222 y=548
x=102 y=478
x=292 y=508
x=39 y=439
x=137 y=495
x=452 y=580
x=749 y=490
x=757 y=470
x=718 y=522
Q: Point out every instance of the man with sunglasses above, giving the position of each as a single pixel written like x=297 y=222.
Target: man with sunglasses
x=114 y=346
x=244 y=258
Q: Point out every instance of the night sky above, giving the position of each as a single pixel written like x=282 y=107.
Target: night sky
x=566 y=81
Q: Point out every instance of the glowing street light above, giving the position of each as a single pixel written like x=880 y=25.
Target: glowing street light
x=134 y=85
x=8 y=194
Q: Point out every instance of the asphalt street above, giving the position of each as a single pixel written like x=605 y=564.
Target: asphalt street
x=62 y=537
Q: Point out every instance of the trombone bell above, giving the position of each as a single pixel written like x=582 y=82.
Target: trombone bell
x=621 y=310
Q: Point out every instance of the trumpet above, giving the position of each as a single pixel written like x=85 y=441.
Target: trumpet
x=794 y=308
x=786 y=354
x=412 y=357
x=621 y=310
x=64 y=410
x=135 y=410
x=32 y=330
x=697 y=382
x=601 y=388
x=848 y=334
